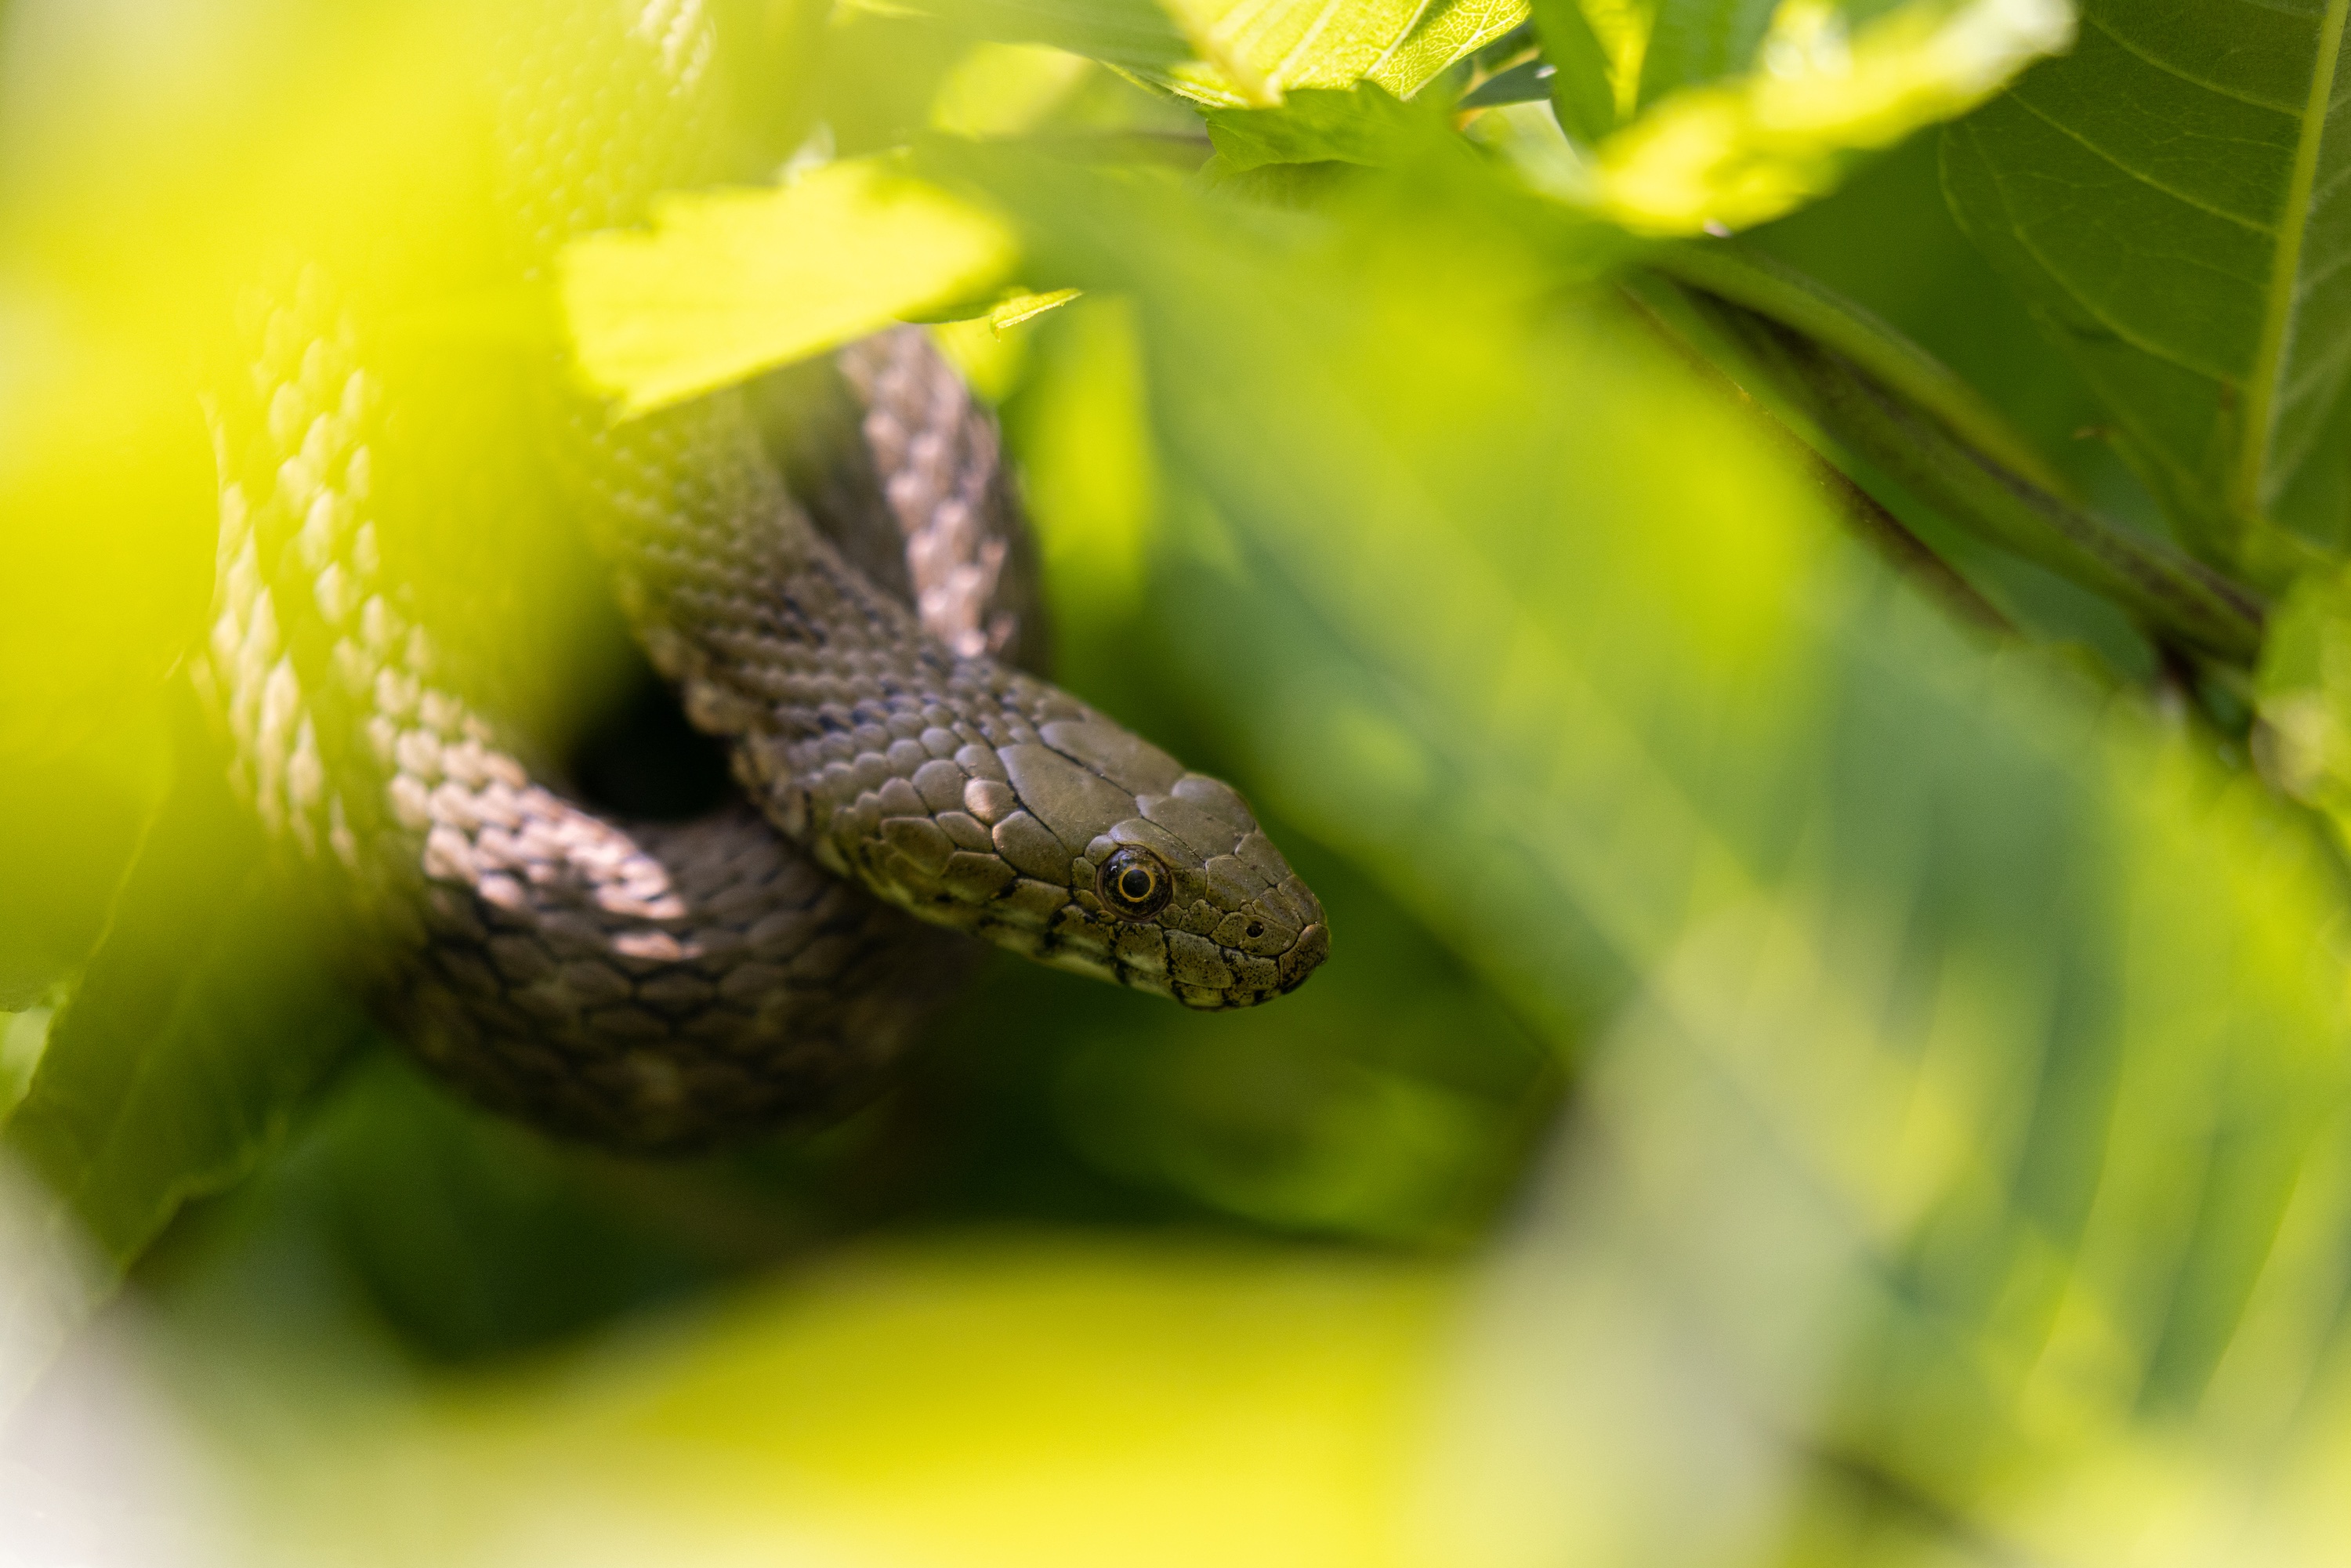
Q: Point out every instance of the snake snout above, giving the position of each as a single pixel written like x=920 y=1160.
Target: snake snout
x=1200 y=906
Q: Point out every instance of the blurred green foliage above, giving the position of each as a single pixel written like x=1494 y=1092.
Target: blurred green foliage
x=1802 y=1079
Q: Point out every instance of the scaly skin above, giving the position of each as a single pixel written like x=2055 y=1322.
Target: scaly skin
x=662 y=985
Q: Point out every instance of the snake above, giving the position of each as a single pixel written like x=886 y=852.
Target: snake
x=842 y=597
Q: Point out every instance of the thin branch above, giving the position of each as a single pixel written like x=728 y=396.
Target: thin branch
x=2177 y=595
x=1729 y=270
x=1910 y=555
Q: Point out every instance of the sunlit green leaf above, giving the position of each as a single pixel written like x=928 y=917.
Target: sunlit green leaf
x=1002 y=89
x=1207 y=1404
x=106 y=520
x=2169 y=198
x=1250 y=53
x=1365 y=125
x=1136 y=34
x=1752 y=147
x=734 y=282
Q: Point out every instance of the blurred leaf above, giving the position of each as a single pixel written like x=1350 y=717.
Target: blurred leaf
x=2304 y=695
x=106 y=520
x=1754 y=279
x=1528 y=81
x=1697 y=41
x=1032 y=1401
x=1692 y=42
x=1253 y=53
x=1581 y=91
x=202 y=1022
x=1978 y=1040
x=69 y=824
x=1442 y=33
x=1136 y=35
x=2167 y=199
x=24 y=1036
x=1750 y=148
x=1361 y=125
x=1237 y=53
x=1888 y=240
x=1003 y=90
x=732 y=283
x=1090 y=479
x=473 y=1236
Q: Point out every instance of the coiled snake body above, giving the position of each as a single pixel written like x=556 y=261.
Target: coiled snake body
x=656 y=984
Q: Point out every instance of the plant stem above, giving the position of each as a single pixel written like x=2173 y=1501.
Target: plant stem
x=1909 y=554
x=2176 y=595
x=1773 y=289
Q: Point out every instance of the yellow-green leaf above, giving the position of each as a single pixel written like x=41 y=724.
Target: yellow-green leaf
x=1746 y=150
x=730 y=283
x=1252 y=52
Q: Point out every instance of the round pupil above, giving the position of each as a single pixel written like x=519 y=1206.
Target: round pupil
x=1135 y=882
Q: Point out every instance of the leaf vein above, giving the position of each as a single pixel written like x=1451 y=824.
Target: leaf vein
x=2278 y=316
x=2158 y=63
x=2089 y=306
x=2152 y=183
x=1419 y=14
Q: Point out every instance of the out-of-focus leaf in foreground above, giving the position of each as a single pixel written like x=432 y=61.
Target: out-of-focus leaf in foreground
x=988 y=1403
x=730 y=283
x=202 y=1020
x=1248 y=52
x=2170 y=199
x=1138 y=35
x=1821 y=87
x=1365 y=125
x=1256 y=52
x=1963 y=1178
x=1970 y=1132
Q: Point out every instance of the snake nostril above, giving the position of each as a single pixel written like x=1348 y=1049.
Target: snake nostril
x=1257 y=928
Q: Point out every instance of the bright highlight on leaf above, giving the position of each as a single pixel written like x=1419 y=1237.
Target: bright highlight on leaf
x=1252 y=52
x=1754 y=147
x=732 y=283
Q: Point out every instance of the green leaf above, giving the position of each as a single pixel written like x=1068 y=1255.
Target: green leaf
x=1582 y=93
x=69 y=825
x=1042 y=1401
x=731 y=283
x=1363 y=125
x=2304 y=693
x=1249 y=53
x=203 y=1021
x=1445 y=32
x=1254 y=53
x=1754 y=279
x=1697 y=41
x=1135 y=35
x=1967 y=1131
x=2171 y=199
x=1746 y=148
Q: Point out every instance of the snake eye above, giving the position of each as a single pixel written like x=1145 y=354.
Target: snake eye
x=1133 y=884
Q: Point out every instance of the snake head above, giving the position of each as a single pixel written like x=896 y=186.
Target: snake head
x=1087 y=848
